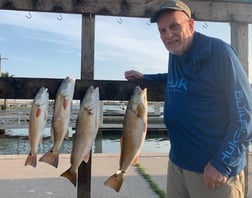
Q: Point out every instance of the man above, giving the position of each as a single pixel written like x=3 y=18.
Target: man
x=207 y=112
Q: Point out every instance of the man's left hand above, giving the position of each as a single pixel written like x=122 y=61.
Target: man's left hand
x=212 y=178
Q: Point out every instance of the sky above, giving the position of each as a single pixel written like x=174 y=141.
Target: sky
x=48 y=45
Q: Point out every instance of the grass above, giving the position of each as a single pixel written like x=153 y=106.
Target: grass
x=152 y=184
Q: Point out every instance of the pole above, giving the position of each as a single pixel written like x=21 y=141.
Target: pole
x=239 y=41
x=87 y=73
x=1 y=58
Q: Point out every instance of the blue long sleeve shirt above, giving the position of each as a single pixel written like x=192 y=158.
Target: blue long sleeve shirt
x=208 y=107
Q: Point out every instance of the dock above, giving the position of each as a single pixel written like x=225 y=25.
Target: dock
x=111 y=118
x=45 y=180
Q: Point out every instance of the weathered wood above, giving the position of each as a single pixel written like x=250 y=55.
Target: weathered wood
x=87 y=72
x=87 y=47
x=236 y=1
x=84 y=179
x=26 y=88
x=220 y=11
x=239 y=41
x=207 y=10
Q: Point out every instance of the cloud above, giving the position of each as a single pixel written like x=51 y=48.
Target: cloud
x=69 y=26
x=134 y=42
x=120 y=43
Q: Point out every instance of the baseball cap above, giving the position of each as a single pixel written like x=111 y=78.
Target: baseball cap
x=171 y=5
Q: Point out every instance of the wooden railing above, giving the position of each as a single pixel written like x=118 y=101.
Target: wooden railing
x=26 y=88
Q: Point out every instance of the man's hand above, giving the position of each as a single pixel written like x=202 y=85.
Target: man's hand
x=212 y=178
x=132 y=74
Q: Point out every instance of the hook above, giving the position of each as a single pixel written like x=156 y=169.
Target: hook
x=90 y=16
x=60 y=18
x=205 y=25
x=28 y=15
x=120 y=21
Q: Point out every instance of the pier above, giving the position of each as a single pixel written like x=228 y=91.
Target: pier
x=111 y=117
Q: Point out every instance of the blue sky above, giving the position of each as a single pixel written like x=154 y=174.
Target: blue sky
x=44 y=46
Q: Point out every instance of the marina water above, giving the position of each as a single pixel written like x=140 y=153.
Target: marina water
x=15 y=141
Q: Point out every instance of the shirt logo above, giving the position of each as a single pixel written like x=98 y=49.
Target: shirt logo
x=176 y=85
x=240 y=133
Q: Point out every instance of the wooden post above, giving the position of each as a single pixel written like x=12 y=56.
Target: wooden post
x=87 y=47
x=239 y=41
x=87 y=73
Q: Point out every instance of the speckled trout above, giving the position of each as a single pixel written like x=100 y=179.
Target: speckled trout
x=132 y=139
x=38 y=119
x=86 y=130
x=60 y=120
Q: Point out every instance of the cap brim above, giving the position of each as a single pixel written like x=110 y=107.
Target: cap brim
x=156 y=15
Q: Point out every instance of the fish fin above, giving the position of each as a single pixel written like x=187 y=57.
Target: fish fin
x=41 y=139
x=72 y=150
x=46 y=116
x=86 y=157
x=65 y=103
x=50 y=158
x=135 y=160
x=115 y=181
x=52 y=134
x=72 y=157
x=121 y=155
x=38 y=112
x=72 y=177
x=139 y=110
x=31 y=160
x=67 y=135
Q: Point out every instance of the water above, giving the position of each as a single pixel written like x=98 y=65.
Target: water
x=16 y=142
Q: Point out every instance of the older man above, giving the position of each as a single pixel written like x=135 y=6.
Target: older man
x=207 y=112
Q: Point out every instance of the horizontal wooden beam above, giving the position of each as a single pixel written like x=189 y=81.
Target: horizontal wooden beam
x=203 y=10
x=137 y=8
x=220 y=11
x=236 y=1
x=26 y=88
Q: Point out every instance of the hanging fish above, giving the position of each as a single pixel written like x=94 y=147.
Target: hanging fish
x=60 y=120
x=38 y=119
x=132 y=139
x=86 y=130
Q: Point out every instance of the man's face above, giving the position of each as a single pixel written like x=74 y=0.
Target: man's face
x=176 y=31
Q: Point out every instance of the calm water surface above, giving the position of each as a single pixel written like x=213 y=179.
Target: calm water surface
x=16 y=142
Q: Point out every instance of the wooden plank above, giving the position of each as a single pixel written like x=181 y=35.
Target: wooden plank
x=87 y=47
x=236 y=1
x=207 y=10
x=84 y=179
x=87 y=72
x=138 y=8
x=26 y=88
x=239 y=41
x=220 y=11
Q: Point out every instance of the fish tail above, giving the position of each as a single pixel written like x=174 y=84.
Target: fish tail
x=70 y=176
x=115 y=181
x=31 y=160
x=50 y=158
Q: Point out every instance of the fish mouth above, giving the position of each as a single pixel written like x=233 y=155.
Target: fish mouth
x=138 y=90
x=42 y=96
